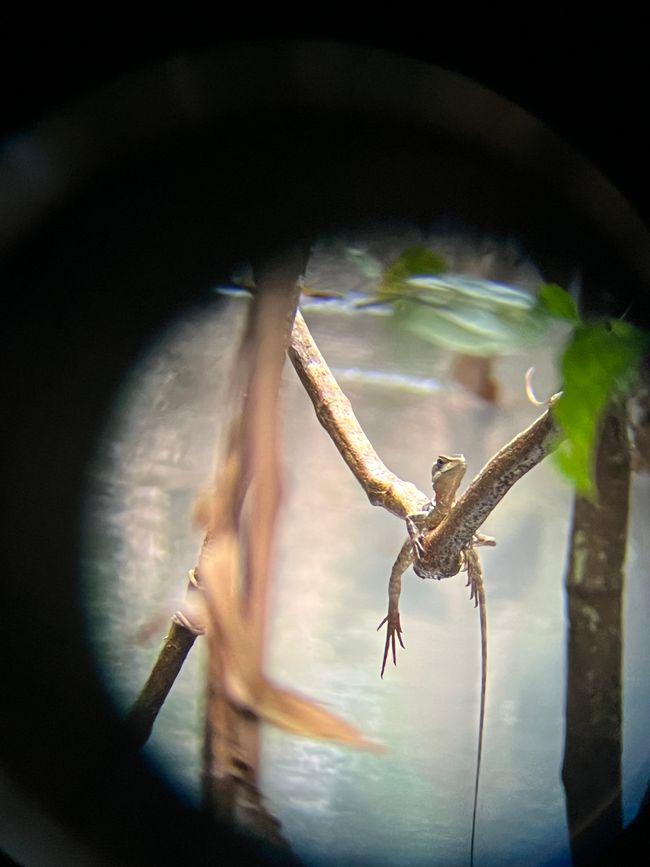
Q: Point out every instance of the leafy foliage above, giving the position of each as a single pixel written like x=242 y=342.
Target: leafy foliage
x=459 y=312
x=598 y=364
x=471 y=315
x=413 y=260
x=557 y=302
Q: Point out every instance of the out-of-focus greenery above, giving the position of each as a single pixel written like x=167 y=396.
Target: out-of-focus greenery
x=556 y=301
x=468 y=314
x=456 y=311
x=599 y=363
x=414 y=260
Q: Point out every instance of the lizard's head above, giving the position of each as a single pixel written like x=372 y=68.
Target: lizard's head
x=446 y=475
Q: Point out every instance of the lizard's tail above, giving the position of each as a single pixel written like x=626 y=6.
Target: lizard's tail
x=477 y=573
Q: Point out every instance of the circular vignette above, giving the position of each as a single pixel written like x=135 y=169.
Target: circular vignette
x=120 y=210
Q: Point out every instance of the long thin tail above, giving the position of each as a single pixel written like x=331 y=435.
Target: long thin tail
x=480 y=597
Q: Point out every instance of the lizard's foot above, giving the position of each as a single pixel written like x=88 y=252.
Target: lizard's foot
x=474 y=575
x=394 y=627
x=480 y=539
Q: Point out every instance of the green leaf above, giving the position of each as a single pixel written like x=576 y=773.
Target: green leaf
x=557 y=302
x=470 y=315
x=459 y=312
x=461 y=290
x=469 y=329
x=599 y=363
x=413 y=260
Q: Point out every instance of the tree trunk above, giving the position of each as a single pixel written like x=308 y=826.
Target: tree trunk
x=592 y=757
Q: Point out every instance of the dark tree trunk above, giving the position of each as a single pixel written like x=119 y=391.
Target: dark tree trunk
x=595 y=578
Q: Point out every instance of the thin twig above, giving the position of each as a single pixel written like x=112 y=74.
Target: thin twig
x=177 y=644
x=507 y=466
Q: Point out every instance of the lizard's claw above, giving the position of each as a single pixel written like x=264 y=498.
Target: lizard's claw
x=471 y=583
x=394 y=627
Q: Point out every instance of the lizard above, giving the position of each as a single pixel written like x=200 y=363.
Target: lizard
x=446 y=476
x=445 y=533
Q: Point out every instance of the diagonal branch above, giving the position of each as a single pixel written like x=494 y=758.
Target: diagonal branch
x=524 y=451
x=334 y=412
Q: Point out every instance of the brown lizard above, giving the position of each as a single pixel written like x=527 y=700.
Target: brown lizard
x=446 y=476
x=443 y=537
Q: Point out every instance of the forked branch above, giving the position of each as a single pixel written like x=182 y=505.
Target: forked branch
x=384 y=488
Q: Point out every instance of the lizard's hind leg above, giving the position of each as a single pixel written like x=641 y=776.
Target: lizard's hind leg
x=394 y=627
x=474 y=575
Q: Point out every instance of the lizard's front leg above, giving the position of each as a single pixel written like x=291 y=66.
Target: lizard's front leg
x=404 y=560
x=415 y=525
